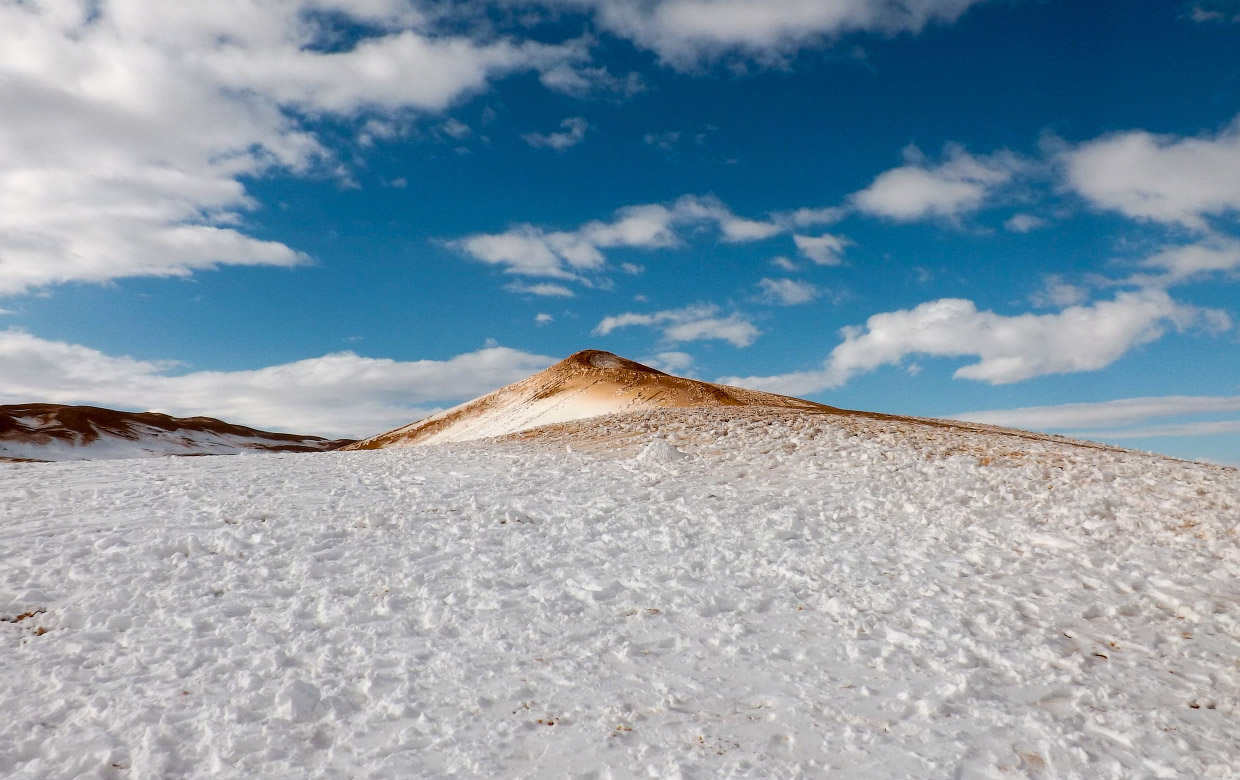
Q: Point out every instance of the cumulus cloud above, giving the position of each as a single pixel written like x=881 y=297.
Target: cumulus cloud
x=787 y=292
x=959 y=185
x=699 y=322
x=1124 y=411
x=533 y=251
x=687 y=33
x=129 y=126
x=1007 y=348
x=1161 y=178
x=574 y=132
x=822 y=250
x=342 y=394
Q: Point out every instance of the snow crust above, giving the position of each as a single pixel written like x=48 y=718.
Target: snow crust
x=802 y=596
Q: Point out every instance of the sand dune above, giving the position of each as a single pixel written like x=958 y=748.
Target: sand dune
x=587 y=384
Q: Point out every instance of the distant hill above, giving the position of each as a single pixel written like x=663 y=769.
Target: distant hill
x=53 y=432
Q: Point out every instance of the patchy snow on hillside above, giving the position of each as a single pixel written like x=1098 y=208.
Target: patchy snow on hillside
x=58 y=432
x=140 y=442
x=797 y=596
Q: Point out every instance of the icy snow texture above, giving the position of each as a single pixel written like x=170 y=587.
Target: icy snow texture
x=803 y=596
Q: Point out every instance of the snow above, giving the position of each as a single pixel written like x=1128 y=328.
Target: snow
x=520 y=415
x=798 y=596
x=659 y=451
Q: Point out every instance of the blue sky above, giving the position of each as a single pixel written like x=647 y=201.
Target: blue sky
x=335 y=217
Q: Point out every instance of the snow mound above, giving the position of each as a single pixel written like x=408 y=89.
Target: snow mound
x=660 y=451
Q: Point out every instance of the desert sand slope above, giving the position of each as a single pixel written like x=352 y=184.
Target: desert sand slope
x=588 y=384
x=52 y=432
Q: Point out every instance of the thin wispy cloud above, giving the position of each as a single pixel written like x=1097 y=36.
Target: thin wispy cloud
x=699 y=322
x=1120 y=412
x=531 y=250
x=573 y=133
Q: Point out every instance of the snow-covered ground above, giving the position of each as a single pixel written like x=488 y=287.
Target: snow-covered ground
x=798 y=596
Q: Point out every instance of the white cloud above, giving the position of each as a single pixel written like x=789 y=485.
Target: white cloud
x=341 y=394
x=129 y=126
x=533 y=251
x=545 y=290
x=788 y=292
x=582 y=82
x=529 y=251
x=574 y=133
x=666 y=141
x=822 y=250
x=544 y=319
x=700 y=322
x=1058 y=293
x=686 y=33
x=1007 y=348
x=918 y=190
x=783 y=263
x=1024 y=223
x=1202 y=428
x=1216 y=11
x=669 y=362
x=734 y=229
x=807 y=217
x=1189 y=262
x=1124 y=411
x=455 y=128
x=1162 y=178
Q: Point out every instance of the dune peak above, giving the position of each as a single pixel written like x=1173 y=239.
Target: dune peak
x=586 y=384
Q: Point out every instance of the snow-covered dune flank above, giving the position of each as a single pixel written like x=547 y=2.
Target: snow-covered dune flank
x=727 y=592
